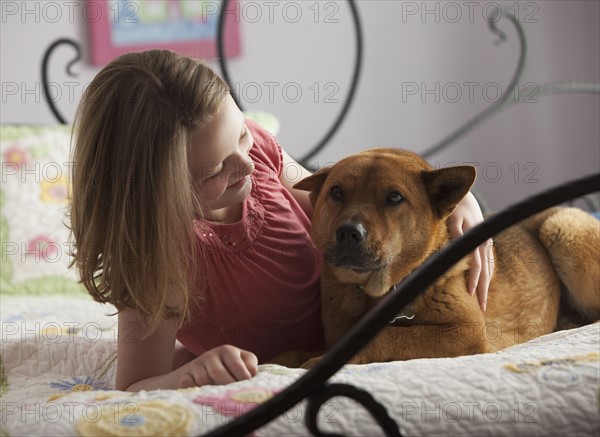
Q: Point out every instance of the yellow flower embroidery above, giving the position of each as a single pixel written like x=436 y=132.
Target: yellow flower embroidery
x=147 y=418
x=55 y=191
x=534 y=366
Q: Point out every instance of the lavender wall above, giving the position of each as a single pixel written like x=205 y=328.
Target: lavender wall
x=429 y=66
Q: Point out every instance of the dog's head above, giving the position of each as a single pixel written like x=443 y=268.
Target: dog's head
x=380 y=213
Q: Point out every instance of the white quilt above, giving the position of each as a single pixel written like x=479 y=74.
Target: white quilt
x=58 y=369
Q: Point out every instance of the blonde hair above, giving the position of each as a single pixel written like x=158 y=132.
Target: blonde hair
x=133 y=202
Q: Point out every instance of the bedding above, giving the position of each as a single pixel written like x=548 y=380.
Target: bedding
x=59 y=359
x=58 y=349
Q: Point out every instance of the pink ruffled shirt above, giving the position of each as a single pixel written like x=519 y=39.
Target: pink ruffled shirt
x=261 y=274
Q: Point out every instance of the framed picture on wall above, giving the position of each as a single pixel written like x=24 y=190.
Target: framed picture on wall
x=184 y=26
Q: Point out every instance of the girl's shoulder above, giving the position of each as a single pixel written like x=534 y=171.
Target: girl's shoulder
x=266 y=150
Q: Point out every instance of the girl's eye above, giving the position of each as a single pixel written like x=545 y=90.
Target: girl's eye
x=394 y=198
x=215 y=175
x=336 y=193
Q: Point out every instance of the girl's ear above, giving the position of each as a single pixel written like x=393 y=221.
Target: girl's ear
x=313 y=183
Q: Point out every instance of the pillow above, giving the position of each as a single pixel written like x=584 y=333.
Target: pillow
x=34 y=233
x=264 y=119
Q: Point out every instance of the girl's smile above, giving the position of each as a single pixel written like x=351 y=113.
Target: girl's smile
x=240 y=183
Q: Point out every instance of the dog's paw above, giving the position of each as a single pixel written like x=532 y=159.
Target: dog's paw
x=293 y=359
x=310 y=363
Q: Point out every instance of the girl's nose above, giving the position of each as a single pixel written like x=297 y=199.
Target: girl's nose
x=244 y=167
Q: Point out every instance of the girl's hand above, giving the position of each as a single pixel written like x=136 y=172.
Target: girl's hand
x=467 y=215
x=221 y=365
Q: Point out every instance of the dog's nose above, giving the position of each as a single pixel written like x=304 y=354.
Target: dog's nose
x=350 y=234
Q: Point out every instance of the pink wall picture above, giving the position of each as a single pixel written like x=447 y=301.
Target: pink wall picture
x=187 y=27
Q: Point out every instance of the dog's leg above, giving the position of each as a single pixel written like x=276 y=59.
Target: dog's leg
x=424 y=341
x=572 y=238
x=398 y=343
x=293 y=359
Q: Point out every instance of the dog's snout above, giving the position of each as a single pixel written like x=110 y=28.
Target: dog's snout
x=350 y=234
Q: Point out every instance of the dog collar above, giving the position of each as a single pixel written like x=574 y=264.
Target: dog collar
x=403 y=316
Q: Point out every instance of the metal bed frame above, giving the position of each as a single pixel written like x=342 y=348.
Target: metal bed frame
x=313 y=385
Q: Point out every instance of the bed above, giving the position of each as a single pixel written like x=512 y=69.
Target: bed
x=58 y=357
x=58 y=352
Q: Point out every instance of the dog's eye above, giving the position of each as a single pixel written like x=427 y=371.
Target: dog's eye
x=336 y=193
x=394 y=198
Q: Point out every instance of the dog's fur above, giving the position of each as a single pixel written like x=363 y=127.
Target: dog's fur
x=381 y=213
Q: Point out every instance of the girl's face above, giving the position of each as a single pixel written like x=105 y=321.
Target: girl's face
x=219 y=161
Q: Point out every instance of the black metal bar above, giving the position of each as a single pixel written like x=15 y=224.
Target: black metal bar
x=363 y=397
x=221 y=52
x=46 y=83
x=349 y=98
x=399 y=297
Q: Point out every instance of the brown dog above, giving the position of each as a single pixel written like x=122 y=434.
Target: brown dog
x=379 y=214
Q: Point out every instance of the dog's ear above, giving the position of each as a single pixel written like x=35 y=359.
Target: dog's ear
x=447 y=187
x=313 y=183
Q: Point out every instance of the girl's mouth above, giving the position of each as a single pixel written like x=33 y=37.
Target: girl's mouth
x=239 y=183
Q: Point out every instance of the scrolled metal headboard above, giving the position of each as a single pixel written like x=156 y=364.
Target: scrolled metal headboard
x=45 y=80
x=349 y=98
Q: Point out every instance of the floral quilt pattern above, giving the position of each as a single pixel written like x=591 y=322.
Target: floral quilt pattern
x=34 y=192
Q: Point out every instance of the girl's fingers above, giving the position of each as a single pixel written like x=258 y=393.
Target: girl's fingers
x=235 y=361
x=474 y=272
x=483 y=286
x=455 y=229
x=487 y=270
x=251 y=362
x=196 y=377
x=187 y=381
x=221 y=365
x=218 y=373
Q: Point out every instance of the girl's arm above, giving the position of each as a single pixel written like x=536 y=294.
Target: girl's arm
x=147 y=363
x=467 y=215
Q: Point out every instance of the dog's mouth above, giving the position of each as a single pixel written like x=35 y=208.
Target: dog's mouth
x=357 y=270
x=358 y=261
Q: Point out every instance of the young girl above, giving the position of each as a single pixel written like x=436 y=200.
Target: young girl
x=185 y=221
